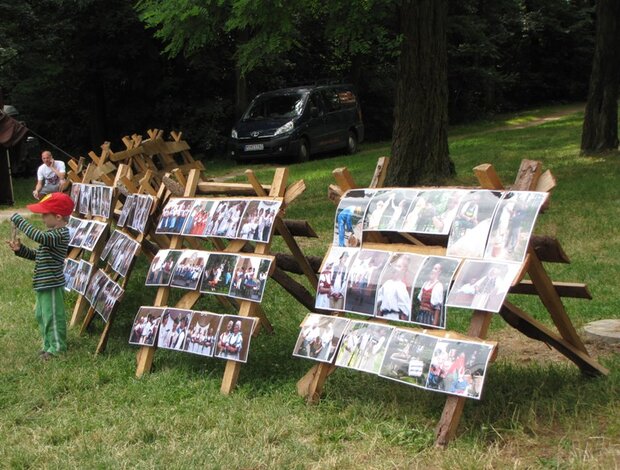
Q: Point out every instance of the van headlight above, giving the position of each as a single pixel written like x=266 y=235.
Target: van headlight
x=288 y=127
x=233 y=134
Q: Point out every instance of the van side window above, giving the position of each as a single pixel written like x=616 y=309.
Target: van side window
x=330 y=97
x=316 y=102
x=347 y=98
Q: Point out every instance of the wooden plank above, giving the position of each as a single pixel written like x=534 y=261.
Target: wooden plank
x=294 y=191
x=401 y=247
x=528 y=175
x=546 y=183
x=552 y=302
x=334 y=193
x=380 y=172
x=296 y=289
x=344 y=179
x=534 y=329
x=487 y=176
x=575 y=290
x=310 y=386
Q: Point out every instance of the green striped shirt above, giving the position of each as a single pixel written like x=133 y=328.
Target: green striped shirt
x=49 y=257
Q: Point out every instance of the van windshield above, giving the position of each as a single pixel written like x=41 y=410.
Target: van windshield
x=276 y=107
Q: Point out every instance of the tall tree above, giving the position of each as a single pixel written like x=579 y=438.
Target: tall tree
x=600 y=124
x=420 y=137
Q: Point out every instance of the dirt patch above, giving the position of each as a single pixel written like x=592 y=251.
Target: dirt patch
x=514 y=346
x=5 y=214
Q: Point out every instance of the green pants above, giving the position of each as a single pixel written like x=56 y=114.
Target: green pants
x=49 y=312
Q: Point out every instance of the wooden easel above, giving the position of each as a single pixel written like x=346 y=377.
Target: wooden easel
x=278 y=191
x=567 y=342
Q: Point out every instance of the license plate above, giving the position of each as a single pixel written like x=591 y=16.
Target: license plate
x=251 y=147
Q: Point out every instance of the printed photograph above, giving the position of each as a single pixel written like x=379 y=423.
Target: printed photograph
x=75 y=193
x=364 y=272
x=349 y=221
x=112 y=241
x=97 y=229
x=388 y=208
x=119 y=244
x=218 y=273
x=107 y=298
x=174 y=215
x=80 y=233
x=472 y=223
x=393 y=300
x=431 y=289
x=363 y=346
x=124 y=256
x=127 y=211
x=320 y=337
x=332 y=285
x=173 y=329
x=233 y=337
x=82 y=277
x=106 y=201
x=70 y=272
x=145 y=326
x=162 y=267
x=196 y=223
x=96 y=282
x=202 y=333
x=85 y=199
x=95 y=200
x=226 y=218
x=482 y=285
x=459 y=367
x=257 y=221
x=408 y=357
x=73 y=225
x=433 y=211
x=188 y=269
x=142 y=210
x=249 y=278
x=513 y=224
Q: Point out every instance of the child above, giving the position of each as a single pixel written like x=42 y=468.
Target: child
x=48 y=279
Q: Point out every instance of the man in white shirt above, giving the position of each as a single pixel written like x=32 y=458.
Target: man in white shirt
x=50 y=175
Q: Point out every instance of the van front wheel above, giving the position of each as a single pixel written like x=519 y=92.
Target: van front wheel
x=351 y=143
x=303 y=155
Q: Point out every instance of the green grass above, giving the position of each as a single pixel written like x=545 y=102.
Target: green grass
x=89 y=411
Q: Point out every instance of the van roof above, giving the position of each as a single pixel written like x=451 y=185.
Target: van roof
x=305 y=88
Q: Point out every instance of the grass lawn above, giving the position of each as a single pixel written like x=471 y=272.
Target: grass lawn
x=537 y=412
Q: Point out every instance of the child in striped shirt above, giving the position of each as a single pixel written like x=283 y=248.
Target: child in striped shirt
x=49 y=257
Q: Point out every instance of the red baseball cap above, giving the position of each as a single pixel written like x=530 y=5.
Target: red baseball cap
x=54 y=203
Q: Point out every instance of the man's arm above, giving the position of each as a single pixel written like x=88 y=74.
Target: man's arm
x=37 y=189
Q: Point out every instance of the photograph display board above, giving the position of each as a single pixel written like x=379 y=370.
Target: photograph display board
x=92 y=199
x=234 y=275
x=196 y=332
x=453 y=366
x=395 y=286
x=243 y=219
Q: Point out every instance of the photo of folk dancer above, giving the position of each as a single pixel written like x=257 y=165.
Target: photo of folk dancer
x=393 y=301
x=349 y=220
x=121 y=259
x=482 y=285
x=513 y=224
x=408 y=357
x=97 y=229
x=80 y=234
x=472 y=223
x=75 y=193
x=110 y=299
x=162 y=267
x=249 y=278
x=233 y=338
x=433 y=211
x=174 y=215
x=96 y=282
x=319 y=337
x=188 y=269
x=430 y=290
x=202 y=334
x=364 y=272
x=173 y=331
x=95 y=200
x=106 y=201
x=339 y=259
x=459 y=367
x=73 y=225
x=218 y=273
x=363 y=346
x=84 y=207
x=196 y=223
x=145 y=326
x=142 y=210
x=396 y=203
x=82 y=277
x=70 y=271
x=257 y=220
x=127 y=210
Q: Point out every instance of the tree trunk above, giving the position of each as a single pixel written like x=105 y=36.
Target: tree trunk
x=420 y=138
x=600 y=124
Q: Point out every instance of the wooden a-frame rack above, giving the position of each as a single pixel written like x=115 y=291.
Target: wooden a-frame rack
x=529 y=178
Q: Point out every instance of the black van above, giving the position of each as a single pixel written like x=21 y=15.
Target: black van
x=297 y=122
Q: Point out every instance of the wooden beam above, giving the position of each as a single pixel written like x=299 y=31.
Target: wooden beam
x=380 y=172
x=528 y=175
x=487 y=176
x=575 y=290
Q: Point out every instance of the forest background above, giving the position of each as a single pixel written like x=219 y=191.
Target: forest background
x=86 y=71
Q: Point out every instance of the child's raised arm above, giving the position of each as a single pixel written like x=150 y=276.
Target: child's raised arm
x=48 y=238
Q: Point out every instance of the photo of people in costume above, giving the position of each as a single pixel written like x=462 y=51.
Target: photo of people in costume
x=96 y=282
x=82 y=277
x=196 y=223
x=430 y=290
x=142 y=209
x=174 y=216
x=250 y=277
x=433 y=211
x=482 y=285
x=106 y=299
x=80 y=233
x=173 y=329
x=70 y=272
x=127 y=211
x=388 y=208
x=319 y=337
x=364 y=271
x=408 y=357
x=257 y=221
x=363 y=346
x=146 y=326
x=122 y=254
x=202 y=333
x=333 y=280
x=97 y=229
x=162 y=266
x=233 y=337
x=188 y=269
x=218 y=273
